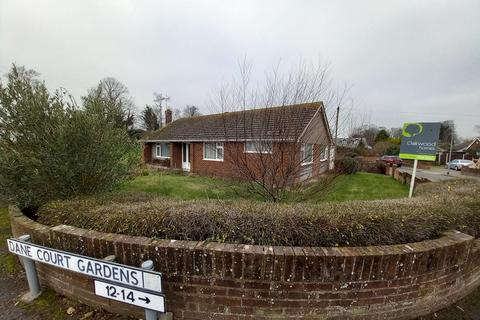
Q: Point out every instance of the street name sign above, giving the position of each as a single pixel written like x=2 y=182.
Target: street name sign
x=138 y=298
x=420 y=141
x=110 y=271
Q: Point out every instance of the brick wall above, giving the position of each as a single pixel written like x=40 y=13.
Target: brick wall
x=211 y=167
x=207 y=280
x=147 y=152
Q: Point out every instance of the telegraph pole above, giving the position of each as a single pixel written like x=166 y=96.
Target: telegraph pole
x=336 y=125
x=450 y=153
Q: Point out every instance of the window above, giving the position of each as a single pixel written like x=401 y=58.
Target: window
x=258 y=147
x=213 y=151
x=323 y=153
x=162 y=150
x=307 y=153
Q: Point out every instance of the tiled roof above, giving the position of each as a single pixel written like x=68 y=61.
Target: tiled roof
x=276 y=123
x=464 y=145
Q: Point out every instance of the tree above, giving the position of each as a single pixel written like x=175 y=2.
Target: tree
x=382 y=147
x=191 y=111
x=477 y=128
x=274 y=163
x=382 y=135
x=367 y=131
x=396 y=133
x=149 y=118
x=53 y=150
x=110 y=100
x=176 y=114
x=447 y=132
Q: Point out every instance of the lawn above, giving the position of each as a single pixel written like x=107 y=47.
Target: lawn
x=365 y=186
x=360 y=186
x=178 y=186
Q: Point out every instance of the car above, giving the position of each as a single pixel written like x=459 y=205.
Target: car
x=458 y=164
x=391 y=160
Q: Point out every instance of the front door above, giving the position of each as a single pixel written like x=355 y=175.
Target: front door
x=186 y=156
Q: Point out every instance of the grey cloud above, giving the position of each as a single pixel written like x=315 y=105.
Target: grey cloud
x=405 y=60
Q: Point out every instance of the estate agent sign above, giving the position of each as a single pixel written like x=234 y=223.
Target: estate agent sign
x=123 y=283
x=420 y=141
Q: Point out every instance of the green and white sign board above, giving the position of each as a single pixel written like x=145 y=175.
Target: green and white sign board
x=420 y=140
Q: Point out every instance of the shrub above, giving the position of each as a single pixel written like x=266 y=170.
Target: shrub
x=51 y=150
x=347 y=165
x=438 y=207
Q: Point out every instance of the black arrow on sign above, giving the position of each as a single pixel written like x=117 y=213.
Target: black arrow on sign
x=147 y=301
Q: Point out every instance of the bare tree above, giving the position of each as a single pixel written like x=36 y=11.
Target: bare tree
x=264 y=148
x=190 y=111
x=111 y=99
x=477 y=128
x=177 y=113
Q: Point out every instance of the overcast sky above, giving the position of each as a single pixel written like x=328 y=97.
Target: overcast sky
x=404 y=60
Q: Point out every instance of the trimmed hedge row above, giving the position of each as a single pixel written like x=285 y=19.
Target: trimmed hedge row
x=436 y=208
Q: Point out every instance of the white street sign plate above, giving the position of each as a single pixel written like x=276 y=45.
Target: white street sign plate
x=130 y=296
x=134 y=277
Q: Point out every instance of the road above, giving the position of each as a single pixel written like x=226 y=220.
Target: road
x=435 y=174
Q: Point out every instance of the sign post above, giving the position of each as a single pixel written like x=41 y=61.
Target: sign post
x=419 y=142
x=137 y=286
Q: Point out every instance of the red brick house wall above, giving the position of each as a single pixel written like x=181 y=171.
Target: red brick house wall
x=212 y=167
x=226 y=168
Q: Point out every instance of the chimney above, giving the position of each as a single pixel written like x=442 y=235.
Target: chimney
x=168 y=116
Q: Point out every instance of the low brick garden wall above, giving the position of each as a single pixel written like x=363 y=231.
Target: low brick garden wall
x=206 y=280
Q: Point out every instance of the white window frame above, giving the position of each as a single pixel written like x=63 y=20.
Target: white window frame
x=218 y=145
x=323 y=153
x=258 y=150
x=158 y=150
x=303 y=148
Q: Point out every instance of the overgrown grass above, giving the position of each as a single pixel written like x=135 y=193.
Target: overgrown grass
x=8 y=263
x=360 y=186
x=184 y=187
x=437 y=207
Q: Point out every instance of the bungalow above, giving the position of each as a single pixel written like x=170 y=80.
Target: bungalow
x=281 y=138
x=469 y=150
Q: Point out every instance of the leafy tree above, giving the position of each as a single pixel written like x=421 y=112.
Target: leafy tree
x=149 y=119
x=52 y=150
x=382 y=135
x=191 y=111
x=382 y=147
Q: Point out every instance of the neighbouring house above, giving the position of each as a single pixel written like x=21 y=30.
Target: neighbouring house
x=352 y=143
x=215 y=144
x=469 y=150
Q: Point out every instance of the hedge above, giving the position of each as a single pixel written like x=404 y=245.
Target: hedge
x=436 y=208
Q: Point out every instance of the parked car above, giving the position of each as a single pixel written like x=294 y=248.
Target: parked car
x=458 y=164
x=391 y=160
